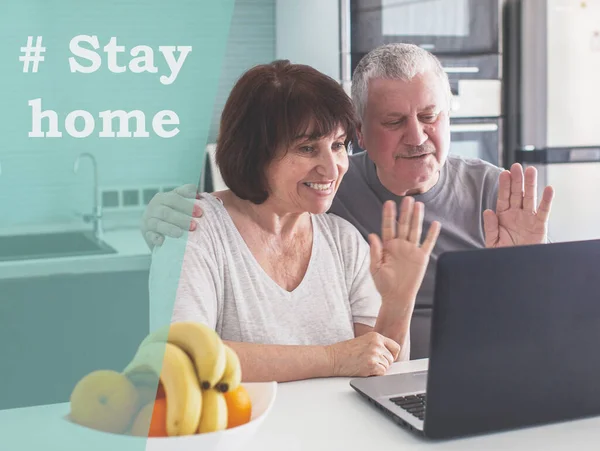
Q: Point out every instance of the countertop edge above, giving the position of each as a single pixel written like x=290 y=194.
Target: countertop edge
x=75 y=265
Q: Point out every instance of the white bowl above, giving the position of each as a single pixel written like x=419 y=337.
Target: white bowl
x=262 y=396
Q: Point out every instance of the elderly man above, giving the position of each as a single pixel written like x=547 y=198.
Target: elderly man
x=403 y=98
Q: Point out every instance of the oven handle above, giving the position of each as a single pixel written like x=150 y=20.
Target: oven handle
x=462 y=70
x=471 y=128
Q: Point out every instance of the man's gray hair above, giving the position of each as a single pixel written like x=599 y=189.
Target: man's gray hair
x=394 y=62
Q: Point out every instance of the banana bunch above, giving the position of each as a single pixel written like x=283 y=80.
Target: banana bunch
x=195 y=368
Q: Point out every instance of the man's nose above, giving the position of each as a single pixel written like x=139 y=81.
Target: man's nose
x=414 y=135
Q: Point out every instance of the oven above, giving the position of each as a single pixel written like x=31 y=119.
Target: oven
x=477 y=138
x=444 y=27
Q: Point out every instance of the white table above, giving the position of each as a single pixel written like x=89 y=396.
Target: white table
x=327 y=414
x=312 y=415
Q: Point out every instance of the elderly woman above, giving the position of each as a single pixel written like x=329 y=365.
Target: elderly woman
x=296 y=292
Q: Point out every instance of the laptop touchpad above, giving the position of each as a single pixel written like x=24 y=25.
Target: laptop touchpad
x=398 y=384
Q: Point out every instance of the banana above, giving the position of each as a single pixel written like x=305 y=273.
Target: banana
x=178 y=377
x=232 y=377
x=201 y=343
x=214 y=412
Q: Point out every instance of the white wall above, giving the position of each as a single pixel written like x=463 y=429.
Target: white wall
x=307 y=32
x=573 y=73
x=575 y=214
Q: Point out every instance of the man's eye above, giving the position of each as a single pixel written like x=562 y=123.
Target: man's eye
x=429 y=118
x=393 y=124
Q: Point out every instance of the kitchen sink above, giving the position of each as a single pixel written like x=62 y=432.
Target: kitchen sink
x=51 y=245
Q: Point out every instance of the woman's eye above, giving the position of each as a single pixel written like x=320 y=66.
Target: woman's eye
x=338 y=146
x=307 y=149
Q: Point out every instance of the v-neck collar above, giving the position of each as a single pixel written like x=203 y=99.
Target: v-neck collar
x=218 y=203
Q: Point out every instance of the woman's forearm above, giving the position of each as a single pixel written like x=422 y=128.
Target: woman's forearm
x=282 y=363
x=393 y=322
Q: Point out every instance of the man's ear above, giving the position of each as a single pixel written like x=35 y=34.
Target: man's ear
x=359 y=136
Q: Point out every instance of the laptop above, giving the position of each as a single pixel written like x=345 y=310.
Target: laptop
x=514 y=343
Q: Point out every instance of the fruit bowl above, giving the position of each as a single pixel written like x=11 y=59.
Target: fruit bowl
x=262 y=395
x=237 y=438
x=182 y=390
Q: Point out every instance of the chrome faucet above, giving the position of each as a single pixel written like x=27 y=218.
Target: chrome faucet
x=96 y=216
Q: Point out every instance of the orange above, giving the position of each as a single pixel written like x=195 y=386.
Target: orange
x=158 y=424
x=151 y=421
x=239 y=407
x=160 y=392
x=147 y=394
x=105 y=400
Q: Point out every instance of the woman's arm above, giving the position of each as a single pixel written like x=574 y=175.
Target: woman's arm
x=282 y=363
x=398 y=265
x=396 y=327
x=370 y=354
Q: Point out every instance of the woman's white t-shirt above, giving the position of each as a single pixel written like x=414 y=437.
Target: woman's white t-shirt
x=212 y=277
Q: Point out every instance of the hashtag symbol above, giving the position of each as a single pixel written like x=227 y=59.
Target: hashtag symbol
x=32 y=54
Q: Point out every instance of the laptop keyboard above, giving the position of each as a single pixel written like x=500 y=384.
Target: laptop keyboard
x=413 y=404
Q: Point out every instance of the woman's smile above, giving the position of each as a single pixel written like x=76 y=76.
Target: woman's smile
x=320 y=188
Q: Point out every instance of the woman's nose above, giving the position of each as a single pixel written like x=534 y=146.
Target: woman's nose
x=328 y=165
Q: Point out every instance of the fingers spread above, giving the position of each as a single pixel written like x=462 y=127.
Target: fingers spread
x=375 y=252
x=503 y=202
x=490 y=227
x=516 y=186
x=416 y=226
x=406 y=213
x=546 y=204
x=388 y=221
x=432 y=236
x=530 y=197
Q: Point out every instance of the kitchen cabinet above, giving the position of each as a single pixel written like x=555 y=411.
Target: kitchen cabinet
x=56 y=329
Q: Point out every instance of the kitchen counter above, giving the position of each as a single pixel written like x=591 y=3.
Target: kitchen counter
x=132 y=254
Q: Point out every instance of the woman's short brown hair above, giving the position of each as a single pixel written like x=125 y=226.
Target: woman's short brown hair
x=267 y=109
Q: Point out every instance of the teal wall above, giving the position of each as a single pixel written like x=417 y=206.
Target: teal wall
x=37 y=184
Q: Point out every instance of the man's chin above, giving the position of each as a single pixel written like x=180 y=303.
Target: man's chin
x=420 y=181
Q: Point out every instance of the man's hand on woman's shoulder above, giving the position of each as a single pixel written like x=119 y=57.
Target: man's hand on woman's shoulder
x=170 y=214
